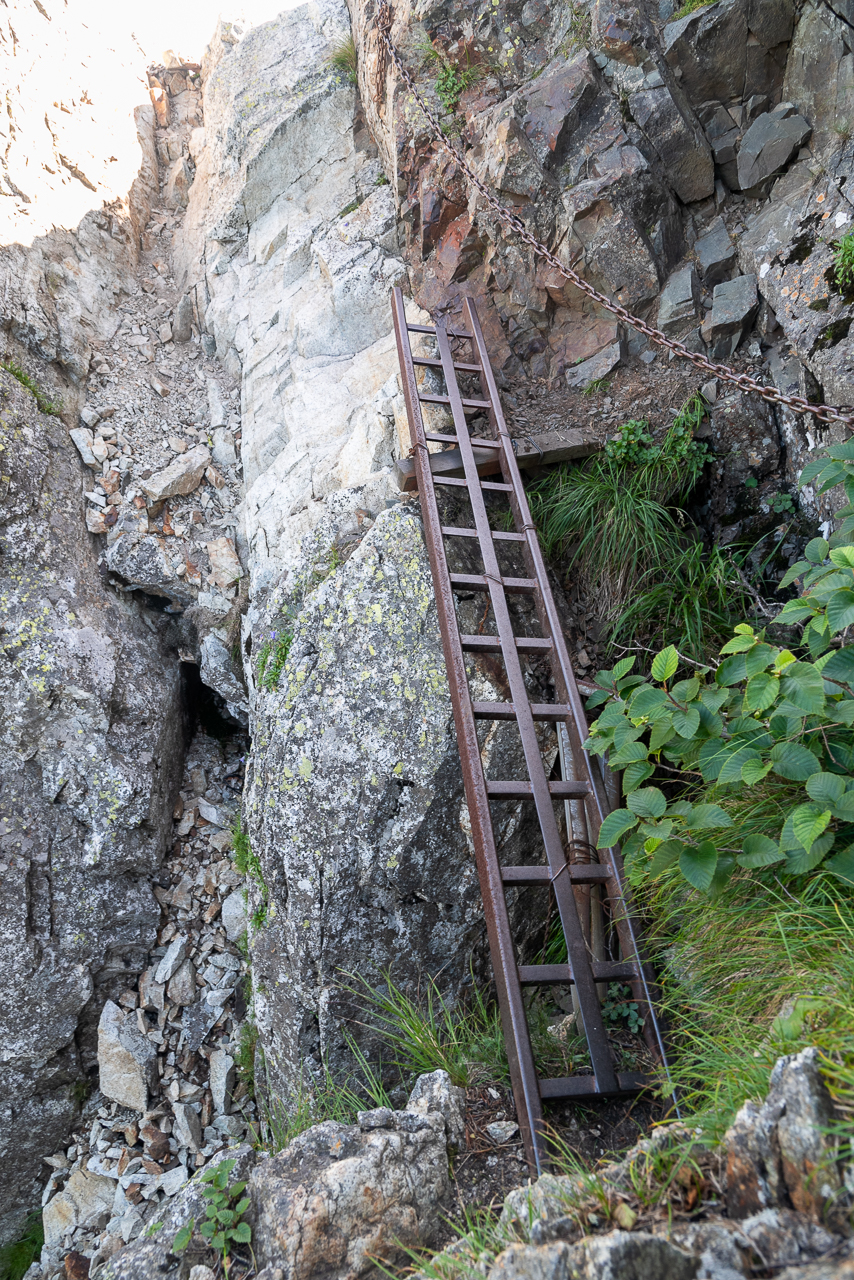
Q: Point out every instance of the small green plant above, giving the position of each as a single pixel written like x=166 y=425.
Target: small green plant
x=17 y=1257
x=619 y=1009
x=453 y=79
x=223 y=1226
x=152 y=1229
x=249 y=866
x=598 y=384
x=349 y=208
x=781 y=504
x=272 y=657
x=51 y=407
x=344 y=60
x=244 y=1057
x=690 y=6
x=580 y=28
x=843 y=261
x=631 y=444
x=382 y=181
x=843 y=129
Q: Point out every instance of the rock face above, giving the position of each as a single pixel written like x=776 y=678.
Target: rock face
x=91 y=740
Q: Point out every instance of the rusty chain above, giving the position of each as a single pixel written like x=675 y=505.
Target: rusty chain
x=824 y=413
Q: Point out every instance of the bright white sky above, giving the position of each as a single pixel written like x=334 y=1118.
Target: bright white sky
x=185 y=26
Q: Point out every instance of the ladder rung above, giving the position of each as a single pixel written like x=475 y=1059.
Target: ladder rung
x=524 y=644
x=578 y=872
x=477 y=582
x=467 y=404
x=451 y=531
x=531 y=975
x=437 y=364
x=507 y=711
x=464 y=484
x=521 y=790
x=480 y=442
x=584 y=1086
x=428 y=328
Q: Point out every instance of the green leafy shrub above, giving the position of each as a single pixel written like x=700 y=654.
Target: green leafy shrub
x=223 y=1226
x=631 y=444
x=843 y=261
x=249 y=865
x=762 y=720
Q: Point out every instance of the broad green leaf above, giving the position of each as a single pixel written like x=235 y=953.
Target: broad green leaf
x=664 y=856
x=713 y=698
x=241 y=1207
x=708 y=817
x=236 y=1188
x=808 y=823
x=759 y=657
x=732 y=670
x=207 y=1229
x=242 y=1233
x=843 y=452
x=635 y=774
x=743 y=629
x=626 y=754
x=842 y=711
x=813 y=469
x=761 y=691
x=804 y=687
x=794 y=611
x=753 y=771
x=662 y=732
x=791 y=760
x=843 y=557
x=841 y=865
x=698 y=865
x=759 y=851
x=686 y=723
x=712 y=756
x=596 y=699
x=794 y=572
x=816 y=551
x=664 y=664
x=648 y=802
x=614 y=714
x=645 y=700
x=225 y=1216
x=183 y=1237
x=843 y=809
x=218 y=1240
x=826 y=788
x=623 y=667
x=800 y=861
x=685 y=690
x=739 y=644
x=840 y=610
x=839 y=665
x=732 y=766
x=616 y=823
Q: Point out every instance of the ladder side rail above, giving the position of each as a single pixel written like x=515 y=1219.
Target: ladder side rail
x=593 y=1023
x=517 y=1039
x=566 y=689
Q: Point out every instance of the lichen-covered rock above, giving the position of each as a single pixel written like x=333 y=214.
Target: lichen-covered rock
x=90 y=745
x=341 y=1196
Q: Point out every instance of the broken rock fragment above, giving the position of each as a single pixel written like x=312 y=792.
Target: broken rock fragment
x=184 y=475
x=734 y=305
x=127 y=1061
x=84 y=440
x=769 y=144
x=225 y=566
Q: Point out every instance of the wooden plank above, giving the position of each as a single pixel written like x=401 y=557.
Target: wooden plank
x=556 y=446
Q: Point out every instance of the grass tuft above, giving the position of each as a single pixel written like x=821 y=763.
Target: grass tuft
x=18 y=1256
x=344 y=59
x=690 y=6
x=52 y=408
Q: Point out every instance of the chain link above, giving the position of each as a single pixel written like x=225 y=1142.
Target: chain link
x=825 y=413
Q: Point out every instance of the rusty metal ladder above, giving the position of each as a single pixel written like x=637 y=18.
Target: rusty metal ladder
x=562 y=875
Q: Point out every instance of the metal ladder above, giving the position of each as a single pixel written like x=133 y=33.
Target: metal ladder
x=566 y=877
